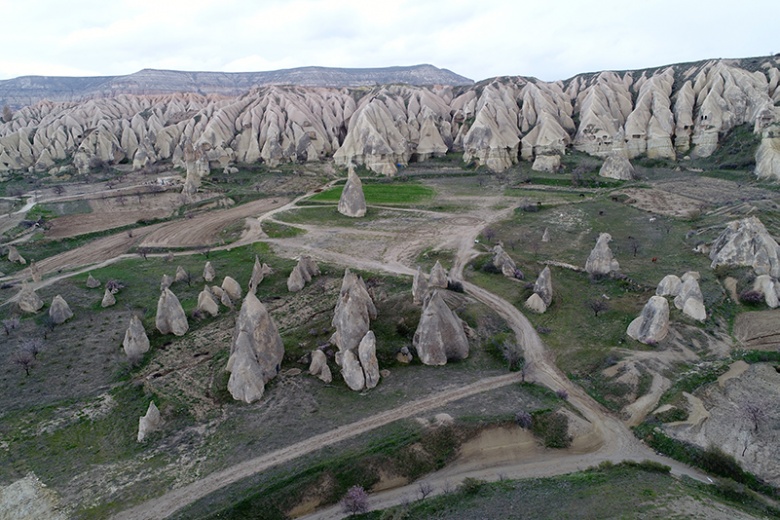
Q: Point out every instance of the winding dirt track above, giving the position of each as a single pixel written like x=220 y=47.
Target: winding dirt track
x=608 y=438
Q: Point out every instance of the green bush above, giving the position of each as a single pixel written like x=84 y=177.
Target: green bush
x=552 y=428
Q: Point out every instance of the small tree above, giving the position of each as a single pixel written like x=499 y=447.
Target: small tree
x=355 y=501
x=33 y=346
x=23 y=359
x=524 y=419
x=114 y=286
x=425 y=489
x=10 y=324
x=598 y=305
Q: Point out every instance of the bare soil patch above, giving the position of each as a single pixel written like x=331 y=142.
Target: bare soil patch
x=663 y=202
x=203 y=230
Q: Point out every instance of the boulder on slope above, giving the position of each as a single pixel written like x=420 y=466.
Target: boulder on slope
x=670 y=285
x=207 y=303
x=652 y=325
x=259 y=272
x=29 y=301
x=368 y=360
x=302 y=273
x=352 y=202
x=108 y=299
x=439 y=336
x=600 y=261
x=536 y=304
x=232 y=288
x=136 y=341
x=419 y=287
x=92 y=282
x=438 y=277
x=617 y=166
x=543 y=286
x=504 y=262
x=746 y=242
x=59 y=312
x=150 y=422
x=208 y=272
x=170 y=317
x=353 y=312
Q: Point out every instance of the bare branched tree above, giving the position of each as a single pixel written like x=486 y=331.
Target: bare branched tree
x=424 y=489
x=355 y=501
x=23 y=359
x=10 y=324
x=598 y=305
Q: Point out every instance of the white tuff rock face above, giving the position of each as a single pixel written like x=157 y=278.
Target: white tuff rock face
x=543 y=286
x=352 y=202
x=256 y=351
x=746 y=242
x=440 y=336
x=92 y=282
x=768 y=158
x=170 y=317
x=29 y=301
x=136 y=341
x=352 y=372
x=547 y=163
x=14 y=257
x=59 y=312
x=617 y=166
x=108 y=299
x=535 y=304
x=181 y=275
x=652 y=325
x=302 y=273
x=601 y=262
x=670 y=285
x=419 y=287
x=438 y=277
x=768 y=288
x=150 y=422
x=368 y=360
x=319 y=366
x=165 y=282
x=259 y=272
x=208 y=272
x=232 y=288
x=30 y=499
x=207 y=303
x=353 y=313
x=495 y=123
x=504 y=262
x=690 y=299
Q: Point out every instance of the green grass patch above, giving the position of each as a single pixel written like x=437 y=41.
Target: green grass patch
x=382 y=193
x=277 y=230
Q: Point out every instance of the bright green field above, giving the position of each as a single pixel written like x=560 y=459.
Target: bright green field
x=391 y=193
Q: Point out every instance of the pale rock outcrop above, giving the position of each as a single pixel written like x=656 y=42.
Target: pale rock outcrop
x=601 y=262
x=690 y=299
x=59 y=312
x=217 y=291
x=768 y=288
x=108 y=299
x=536 y=304
x=208 y=272
x=181 y=275
x=353 y=313
x=35 y=272
x=14 y=257
x=28 y=300
x=256 y=351
x=232 y=288
x=259 y=272
x=768 y=158
x=504 y=262
x=546 y=235
x=404 y=356
x=302 y=273
x=438 y=277
x=419 y=287
x=352 y=202
x=150 y=422
x=170 y=317
x=165 y=282
x=368 y=360
x=225 y=299
x=746 y=242
x=617 y=167
x=670 y=285
x=92 y=282
x=30 y=499
x=207 y=303
x=319 y=366
x=547 y=163
x=352 y=372
x=136 y=341
x=652 y=325
x=543 y=286
x=439 y=336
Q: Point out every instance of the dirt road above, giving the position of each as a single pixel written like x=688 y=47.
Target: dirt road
x=163 y=506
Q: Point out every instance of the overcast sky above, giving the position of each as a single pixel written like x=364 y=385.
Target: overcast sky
x=479 y=39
